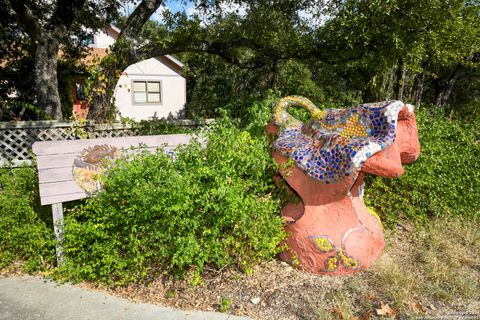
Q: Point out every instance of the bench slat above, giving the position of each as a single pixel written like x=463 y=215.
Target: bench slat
x=55 y=161
x=63 y=198
x=59 y=188
x=74 y=146
x=55 y=175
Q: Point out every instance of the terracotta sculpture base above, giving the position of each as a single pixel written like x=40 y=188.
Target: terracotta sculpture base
x=336 y=238
x=333 y=234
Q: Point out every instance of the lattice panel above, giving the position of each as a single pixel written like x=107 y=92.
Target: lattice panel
x=16 y=143
x=55 y=134
x=16 y=139
x=118 y=133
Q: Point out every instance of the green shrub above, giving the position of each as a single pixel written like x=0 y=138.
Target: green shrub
x=157 y=126
x=444 y=181
x=25 y=228
x=212 y=206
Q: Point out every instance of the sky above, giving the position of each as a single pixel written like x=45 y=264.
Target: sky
x=183 y=5
x=174 y=6
x=189 y=7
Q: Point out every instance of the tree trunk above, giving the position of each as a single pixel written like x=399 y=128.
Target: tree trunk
x=102 y=102
x=46 y=81
x=446 y=91
x=399 y=83
x=2 y=109
x=274 y=73
x=418 y=88
x=390 y=86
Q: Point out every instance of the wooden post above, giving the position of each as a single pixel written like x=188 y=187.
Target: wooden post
x=57 y=213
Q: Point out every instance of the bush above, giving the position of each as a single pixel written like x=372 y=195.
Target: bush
x=26 y=233
x=213 y=206
x=444 y=181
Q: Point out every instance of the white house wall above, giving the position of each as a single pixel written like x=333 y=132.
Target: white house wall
x=103 y=39
x=173 y=91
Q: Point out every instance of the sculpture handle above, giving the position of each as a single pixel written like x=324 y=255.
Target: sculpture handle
x=283 y=119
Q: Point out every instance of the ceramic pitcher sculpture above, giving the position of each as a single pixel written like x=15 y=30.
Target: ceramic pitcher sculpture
x=331 y=231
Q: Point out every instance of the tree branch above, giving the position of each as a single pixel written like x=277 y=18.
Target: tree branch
x=65 y=13
x=137 y=19
x=25 y=18
x=221 y=49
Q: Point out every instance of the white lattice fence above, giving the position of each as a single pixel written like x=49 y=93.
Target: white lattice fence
x=16 y=138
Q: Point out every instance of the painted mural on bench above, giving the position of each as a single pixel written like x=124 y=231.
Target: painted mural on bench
x=331 y=231
x=91 y=163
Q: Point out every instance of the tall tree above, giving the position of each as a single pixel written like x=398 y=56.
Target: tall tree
x=47 y=25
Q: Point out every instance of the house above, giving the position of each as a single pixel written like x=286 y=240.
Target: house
x=152 y=88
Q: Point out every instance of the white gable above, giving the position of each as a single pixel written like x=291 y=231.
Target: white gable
x=105 y=38
x=152 y=66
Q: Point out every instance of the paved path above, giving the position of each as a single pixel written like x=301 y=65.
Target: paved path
x=33 y=298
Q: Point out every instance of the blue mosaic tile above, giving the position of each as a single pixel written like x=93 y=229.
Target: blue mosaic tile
x=339 y=141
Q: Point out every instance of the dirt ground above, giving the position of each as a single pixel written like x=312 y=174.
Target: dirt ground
x=424 y=272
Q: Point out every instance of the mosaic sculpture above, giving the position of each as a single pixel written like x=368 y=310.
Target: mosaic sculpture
x=324 y=161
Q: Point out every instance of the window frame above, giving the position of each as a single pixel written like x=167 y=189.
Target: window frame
x=146 y=103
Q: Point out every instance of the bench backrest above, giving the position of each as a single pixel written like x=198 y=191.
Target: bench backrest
x=55 y=161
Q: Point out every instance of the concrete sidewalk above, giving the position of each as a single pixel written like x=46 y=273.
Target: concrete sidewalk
x=29 y=298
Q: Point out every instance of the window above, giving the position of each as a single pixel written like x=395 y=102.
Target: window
x=81 y=94
x=88 y=40
x=146 y=92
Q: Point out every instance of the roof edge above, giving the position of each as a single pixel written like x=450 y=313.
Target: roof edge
x=115 y=28
x=174 y=60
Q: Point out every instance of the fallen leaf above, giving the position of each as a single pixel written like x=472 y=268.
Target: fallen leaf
x=337 y=312
x=385 y=310
x=372 y=297
x=364 y=316
x=416 y=307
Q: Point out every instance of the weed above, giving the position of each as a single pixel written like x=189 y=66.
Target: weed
x=225 y=304
x=435 y=262
x=338 y=306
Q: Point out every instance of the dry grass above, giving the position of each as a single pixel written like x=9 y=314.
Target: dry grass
x=439 y=263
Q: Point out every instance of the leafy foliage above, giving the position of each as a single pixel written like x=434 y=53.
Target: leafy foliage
x=442 y=182
x=391 y=49
x=208 y=206
x=26 y=230
x=32 y=34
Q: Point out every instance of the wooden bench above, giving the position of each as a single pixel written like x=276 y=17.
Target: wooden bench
x=55 y=161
